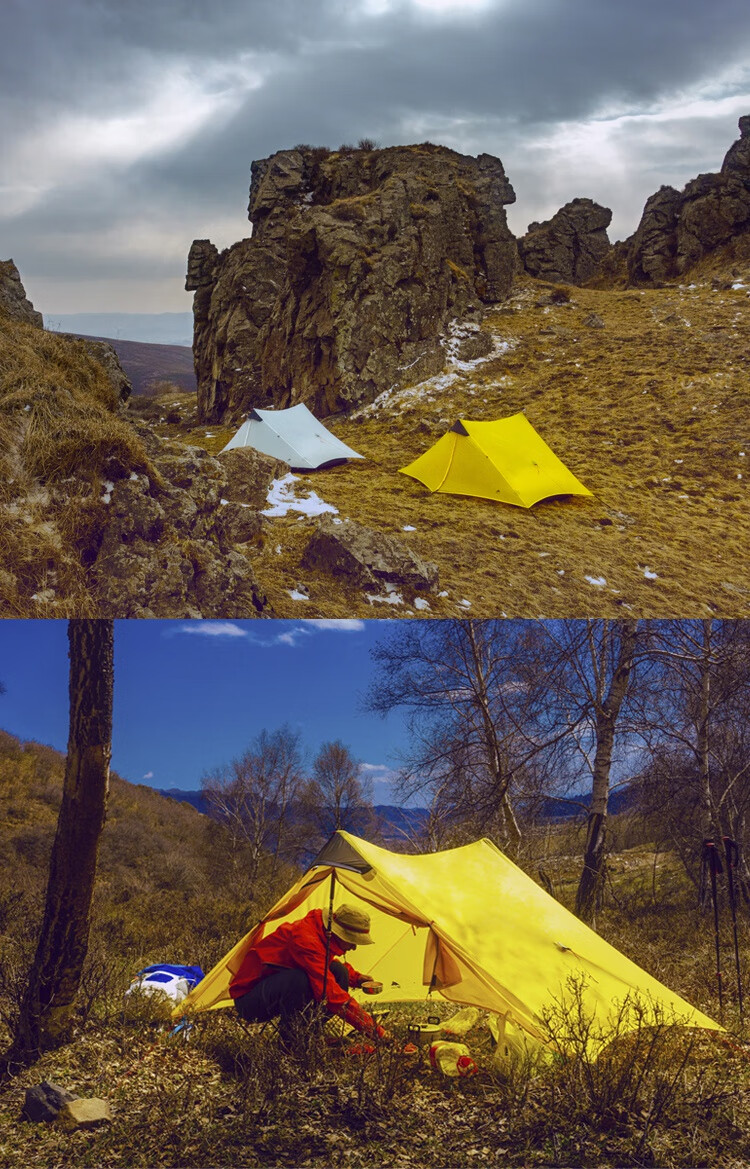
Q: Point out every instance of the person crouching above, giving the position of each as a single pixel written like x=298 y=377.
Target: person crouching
x=284 y=974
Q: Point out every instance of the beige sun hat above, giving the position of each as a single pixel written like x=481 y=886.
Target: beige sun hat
x=352 y=925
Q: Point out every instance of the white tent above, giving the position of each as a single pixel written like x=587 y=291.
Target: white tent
x=293 y=435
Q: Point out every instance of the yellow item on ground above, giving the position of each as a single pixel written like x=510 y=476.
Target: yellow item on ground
x=505 y=460
x=468 y=926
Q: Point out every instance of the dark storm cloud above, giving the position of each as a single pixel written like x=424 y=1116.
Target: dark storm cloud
x=270 y=73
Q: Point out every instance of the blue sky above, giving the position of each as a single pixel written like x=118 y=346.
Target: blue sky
x=190 y=696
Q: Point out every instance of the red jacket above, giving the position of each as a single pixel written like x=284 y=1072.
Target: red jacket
x=301 y=945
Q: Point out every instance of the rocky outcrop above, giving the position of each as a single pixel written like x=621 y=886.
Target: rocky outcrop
x=13 y=300
x=570 y=246
x=678 y=228
x=357 y=262
x=164 y=548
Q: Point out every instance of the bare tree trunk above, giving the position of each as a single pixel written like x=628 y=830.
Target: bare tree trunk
x=46 y=1015
x=588 y=894
x=501 y=776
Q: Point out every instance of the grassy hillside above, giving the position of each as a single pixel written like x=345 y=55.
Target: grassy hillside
x=227 y=1096
x=644 y=394
x=61 y=437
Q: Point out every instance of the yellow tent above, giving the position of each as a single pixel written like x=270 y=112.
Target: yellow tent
x=465 y=925
x=505 y=460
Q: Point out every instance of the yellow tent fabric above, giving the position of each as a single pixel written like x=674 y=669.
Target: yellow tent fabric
x=505 y=460
x=466 y=925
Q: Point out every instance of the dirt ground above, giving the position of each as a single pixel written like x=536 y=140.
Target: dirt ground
x=647 y=402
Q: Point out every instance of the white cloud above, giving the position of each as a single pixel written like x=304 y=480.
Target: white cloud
x=346 y=625
x=213 y=629
x=148 y=775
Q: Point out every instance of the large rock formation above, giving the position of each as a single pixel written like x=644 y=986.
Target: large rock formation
x=13 y=300
x=357 y=262
x=678 y=228
x=570 y=246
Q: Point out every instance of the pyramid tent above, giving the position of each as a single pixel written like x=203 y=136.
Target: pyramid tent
x=505 y=460
x=293 y=435
x=466 y=925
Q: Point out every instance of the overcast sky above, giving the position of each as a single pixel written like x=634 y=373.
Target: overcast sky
x=191 y=696
x=129 y=126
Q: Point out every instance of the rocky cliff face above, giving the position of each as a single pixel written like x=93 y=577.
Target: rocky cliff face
x=13 y=301
x=357 y=262
x=678 y=228
x=570 y=246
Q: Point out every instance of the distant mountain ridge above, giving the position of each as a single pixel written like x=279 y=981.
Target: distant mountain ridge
x=150 y=328
x=147 y=364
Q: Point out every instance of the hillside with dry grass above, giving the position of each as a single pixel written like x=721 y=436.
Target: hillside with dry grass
x=226 y=1094
x=644 y=395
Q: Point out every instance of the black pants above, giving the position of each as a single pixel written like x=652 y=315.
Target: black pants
x=286 y=993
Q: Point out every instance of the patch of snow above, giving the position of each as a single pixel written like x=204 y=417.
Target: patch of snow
x=296 y=596
x=409 y=528
x=544 y=553
x=133 y=475
x=650 y=574
x=337 y=520
x=738 y=284
x=742 y=454
x=209 y=434
x=598 y=581
x=392 y=596
x=444 y=593
x=421 y=603
x=465 y=604
x=108 y=489
x=679 y=460
x=281 y=499
x=28 y=408
x=223 y=502
x=561 y=572
x=278 y=549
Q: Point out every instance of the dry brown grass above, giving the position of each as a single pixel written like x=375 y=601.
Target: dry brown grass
x=650 y=412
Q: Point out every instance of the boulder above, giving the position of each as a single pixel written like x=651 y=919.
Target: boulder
x=678 y=228
x=44 y=1101
x=249 y=475
x=88 y=1112
x=365 y=557
x=357 y=263
x=570 y=246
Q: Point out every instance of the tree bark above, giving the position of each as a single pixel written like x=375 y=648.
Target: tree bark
x=588 y=894
x=46 y=1015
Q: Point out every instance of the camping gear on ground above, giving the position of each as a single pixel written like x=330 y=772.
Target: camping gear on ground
x=468 y=926
x=712 y=865
x=462 y=1022
x=166 y=981
x=732 y=855
x=295 y=436
x=505 y=460
x=371 y=987
x=423 y=1034
x=452 y=1059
